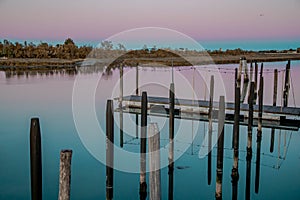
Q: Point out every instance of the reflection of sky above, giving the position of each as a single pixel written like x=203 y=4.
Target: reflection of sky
x=51 y=100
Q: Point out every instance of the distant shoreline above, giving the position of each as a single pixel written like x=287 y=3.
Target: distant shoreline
x=55 y=63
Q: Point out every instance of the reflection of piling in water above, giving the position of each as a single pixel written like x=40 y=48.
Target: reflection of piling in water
x=154 y=161
x=171 y=139
x=211 y=99
x=109 y=149
x=65 y=174
x=274 y=104
x=35 y=159
x=143 y=184
x=248 y=173
x=259 y=132
x=286 y=84
x=220 y=148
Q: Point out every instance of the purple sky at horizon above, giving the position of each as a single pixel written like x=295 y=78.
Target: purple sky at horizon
x=98 y=19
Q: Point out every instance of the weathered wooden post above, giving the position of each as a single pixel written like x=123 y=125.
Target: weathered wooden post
x=261 y=69
x=286 y=84
x=137 y=94
x=35 y=159
x=235 y=171
x=210 y=128
x=121 y=106
x=255 y=81
x=65 y=174
x=250 y=117
x=259 y=133
x=239 y=75
x=251 y=71
x=109 y=149
x=260 y=103
x=274 y=104
x=137 y=80
x=249 y=141
x=154 y=161
x=171 y=139
x=143 y=184
x=220 y=148
x=237 y=98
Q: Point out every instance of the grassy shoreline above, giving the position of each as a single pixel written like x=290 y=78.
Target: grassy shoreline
x=56 y=63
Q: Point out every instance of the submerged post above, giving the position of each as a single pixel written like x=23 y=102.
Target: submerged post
x=35 y=159
x=210 y=128
x=109 y=149
x=154 y=161
x=286 y=84
x=274 y=104
x=65 y=174
x=143 y=184
x=171 y=139
x=220 y=148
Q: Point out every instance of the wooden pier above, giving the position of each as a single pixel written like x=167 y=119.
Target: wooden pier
x=272 y=117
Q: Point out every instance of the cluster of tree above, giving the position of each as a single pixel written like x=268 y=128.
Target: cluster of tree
x=67 y=50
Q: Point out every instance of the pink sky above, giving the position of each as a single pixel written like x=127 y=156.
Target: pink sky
x=98 y=19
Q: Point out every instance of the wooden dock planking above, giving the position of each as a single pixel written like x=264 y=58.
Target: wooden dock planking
x=282 y=111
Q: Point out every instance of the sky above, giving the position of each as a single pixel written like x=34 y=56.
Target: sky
x=200 y=19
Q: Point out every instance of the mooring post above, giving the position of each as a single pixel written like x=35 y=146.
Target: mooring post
x=255 y=81
x=261 y=69
x=237 y=98
x=248 y=174
x=251 y=71
x=171 y=139
x=235 y=172
x=35 y=159
x=260 y=103
x=121 y=106
x=274 y=104
x=143 y=184
x=250 y=117
x=286 y=84
x=220 y=147
x=109 y=149
x=137 y=80
x=239 y=76
x=210 y=128
x=154 y=161
x=65 y=174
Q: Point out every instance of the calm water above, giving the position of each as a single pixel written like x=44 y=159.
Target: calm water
x=50 y=98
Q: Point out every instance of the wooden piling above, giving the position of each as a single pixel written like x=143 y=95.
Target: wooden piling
x=171 y=140
x=250 y=117
x=261 y=70
x=255 y=81
x=274 y=104
x=210 y=128
x=234 y=171
x=35 y=159
x=220 y=148
x=120 y=106
x=65 y=174
x=286 y=84
x=251 y=71
x=237 y=98
x=248 y=174
x=154 y=162
x=109 y=149
x=239 y=76
x=137 y=94
x=143 y=184
x=260 y=103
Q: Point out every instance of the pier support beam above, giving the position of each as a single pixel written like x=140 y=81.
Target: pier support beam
x=109 y=149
